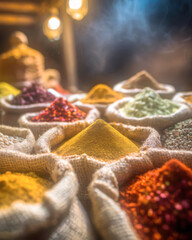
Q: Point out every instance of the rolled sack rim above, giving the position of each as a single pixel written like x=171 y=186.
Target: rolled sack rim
x=19 y=109
x=37 y=215
x=114 y=110
x=92 y=114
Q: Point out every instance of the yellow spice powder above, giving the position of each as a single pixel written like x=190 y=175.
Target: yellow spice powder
x=27 y=187
x=99 y=140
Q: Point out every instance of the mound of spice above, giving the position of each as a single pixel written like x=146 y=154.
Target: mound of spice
x=60 y=110
x=148 y=103
x=33 y=94
x=6 y=141
x=178 y=136
x=26 y=187
x=188 y=98
x=101 y=94
x=7 y=89
x=159 y=203
x=99 y=140
x=141 y=80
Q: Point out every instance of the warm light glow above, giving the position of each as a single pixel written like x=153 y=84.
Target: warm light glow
x=75 y=4
x=77 y=9
x=52 y=27
x=54 y=23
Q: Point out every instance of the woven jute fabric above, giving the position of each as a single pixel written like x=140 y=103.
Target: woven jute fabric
x=100 y=107
x=167 y=93
x=84 y=165
x=21 y=218
x=110 y=220
x=11 y=113
x=158 y=122
x=38 y=128
x=27 y=145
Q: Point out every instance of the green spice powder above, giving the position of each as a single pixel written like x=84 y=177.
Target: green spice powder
x=148 y=103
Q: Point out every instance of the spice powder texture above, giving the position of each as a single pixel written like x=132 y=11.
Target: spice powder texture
x=101 y=94
x=26 y=187
x=99 y=140
x=141 y=80
x=148 y=103
x=159 y=203
x=7 y=89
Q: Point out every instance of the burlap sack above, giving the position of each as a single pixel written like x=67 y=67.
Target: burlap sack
x=110 y=220
x=100 y=107
x=158 y=122
x=178 y=98
x=27 y=145
x=11 y=113
x=167 y=93
x=38 y=128
x=84 y=165
x=22 y=218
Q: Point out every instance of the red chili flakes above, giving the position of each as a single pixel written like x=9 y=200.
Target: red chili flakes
x=159 y=203
x=60 y=111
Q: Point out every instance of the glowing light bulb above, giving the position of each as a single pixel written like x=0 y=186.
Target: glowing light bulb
x=77 y=9
x=52 y=26
x=54 y=23
x=75 y=4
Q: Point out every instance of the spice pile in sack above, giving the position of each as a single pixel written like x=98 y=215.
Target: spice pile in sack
x=188 y=98
x=33 y=94
x=60 y=111
x=6 y=140
x=101 y=94
x=148 y=103
x=26 y=187
x=178 y=136
x=7 y=89
x=99 y=140
x=159 y=203
x=141 y=80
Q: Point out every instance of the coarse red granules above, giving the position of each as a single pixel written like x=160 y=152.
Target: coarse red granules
x=60 y=110
x=159 y=203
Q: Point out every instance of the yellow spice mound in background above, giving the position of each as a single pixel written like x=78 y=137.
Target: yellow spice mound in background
x=27 y=187
x=99 y=140
x=101 y=94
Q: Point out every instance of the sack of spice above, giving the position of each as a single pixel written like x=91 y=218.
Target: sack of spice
x=100 y=96
x=17 y=139
x=95 y=146
x=139 y=81
x=183 y=97
x=148 y=109
x=131 y=200
x=31 y=99
x=59 y=113
x=50 y=200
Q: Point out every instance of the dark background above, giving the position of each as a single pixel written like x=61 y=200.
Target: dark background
x=121 y=37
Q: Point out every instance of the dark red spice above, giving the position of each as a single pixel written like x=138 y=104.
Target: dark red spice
x=159 y=203
x=60 y=111
x=33 y=94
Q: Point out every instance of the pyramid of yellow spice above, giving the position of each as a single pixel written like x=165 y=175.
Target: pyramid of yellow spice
x=101 y=94
x=100 y=140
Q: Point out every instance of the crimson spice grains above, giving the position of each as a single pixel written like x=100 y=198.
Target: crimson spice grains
x=178 y=136
x=60 y=110
x=33 y=94
x=159 y=203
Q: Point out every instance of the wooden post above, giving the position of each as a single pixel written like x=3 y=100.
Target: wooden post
x=69 y=53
